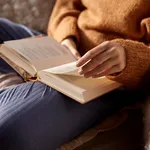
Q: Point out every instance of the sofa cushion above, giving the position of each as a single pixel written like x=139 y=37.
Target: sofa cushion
x=33 y=13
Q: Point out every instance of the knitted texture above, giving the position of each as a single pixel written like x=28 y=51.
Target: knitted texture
x=96 y=21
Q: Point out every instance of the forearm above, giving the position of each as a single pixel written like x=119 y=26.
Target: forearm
x=63 y=21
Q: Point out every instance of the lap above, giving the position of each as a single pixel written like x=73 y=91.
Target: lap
x=41 y=115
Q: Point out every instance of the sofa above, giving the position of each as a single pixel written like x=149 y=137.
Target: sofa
x=128 y=136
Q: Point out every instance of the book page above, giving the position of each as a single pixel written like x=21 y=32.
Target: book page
x=77 y=80
x=42 y=52
x=23 y=67
x=79 y=88
x=66 y=69
x=84 y=83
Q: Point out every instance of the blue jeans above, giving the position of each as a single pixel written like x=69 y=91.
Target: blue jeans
x=34 y=116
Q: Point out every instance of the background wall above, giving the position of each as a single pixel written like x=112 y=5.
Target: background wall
x=33 y=13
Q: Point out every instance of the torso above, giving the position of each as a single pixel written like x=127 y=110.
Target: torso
x=110 y=19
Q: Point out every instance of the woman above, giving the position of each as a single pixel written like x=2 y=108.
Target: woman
x=123 y=24
x=34 y=116
x=113 y=37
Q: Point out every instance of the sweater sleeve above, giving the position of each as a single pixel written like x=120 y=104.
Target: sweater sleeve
x=137 y=70
x=63 y=21
x=137 y=65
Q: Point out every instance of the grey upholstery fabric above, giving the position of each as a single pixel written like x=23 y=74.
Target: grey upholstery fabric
x=33 y=13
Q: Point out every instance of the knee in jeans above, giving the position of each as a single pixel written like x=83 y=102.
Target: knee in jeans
x=3 y=21
x=41 y=89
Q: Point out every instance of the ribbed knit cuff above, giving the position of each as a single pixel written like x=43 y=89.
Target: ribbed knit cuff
x=137 y=65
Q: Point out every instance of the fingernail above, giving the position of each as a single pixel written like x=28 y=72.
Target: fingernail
x=80 y=72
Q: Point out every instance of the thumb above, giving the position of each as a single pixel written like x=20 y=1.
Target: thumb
x=70 y=44
x=75 y=53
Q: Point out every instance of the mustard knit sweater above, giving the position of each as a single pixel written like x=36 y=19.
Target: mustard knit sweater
x=92 y=22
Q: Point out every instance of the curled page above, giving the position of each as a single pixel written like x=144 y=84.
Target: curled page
x=66 y=69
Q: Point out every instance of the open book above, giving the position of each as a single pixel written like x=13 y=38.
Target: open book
x=53 y=64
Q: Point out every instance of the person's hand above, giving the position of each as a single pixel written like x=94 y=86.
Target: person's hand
x=105 y=59
x=71 y=45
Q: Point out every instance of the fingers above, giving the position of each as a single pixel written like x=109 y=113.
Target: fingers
x=98 y=60
x=102 y=68
x=75 y=53
x=70 y=44
x=72 y=49
x=107 y=72
x=102 y=59
x=92 y=53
